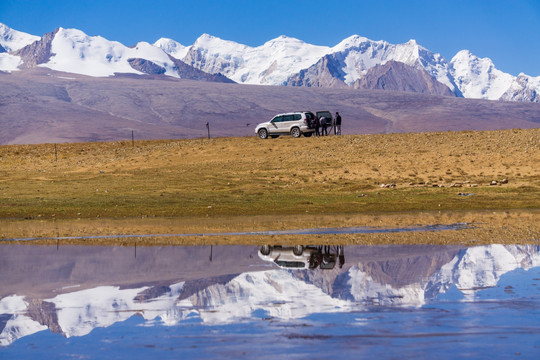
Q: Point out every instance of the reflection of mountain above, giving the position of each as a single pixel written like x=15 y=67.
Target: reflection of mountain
x=402 y=276
x=481 y=267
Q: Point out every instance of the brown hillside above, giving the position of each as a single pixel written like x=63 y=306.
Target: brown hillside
x=43 y=106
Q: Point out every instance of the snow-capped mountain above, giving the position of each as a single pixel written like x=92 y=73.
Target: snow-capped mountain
x=478 y=78
x=72 y=51
x=354 y=56
x=523 y=88
x=281 y=61
x=269 y=64
x=75 y=52
x=349 y=62
x=12 y=40
x=173 y=48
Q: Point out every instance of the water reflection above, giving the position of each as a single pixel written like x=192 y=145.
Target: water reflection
x=75 y=290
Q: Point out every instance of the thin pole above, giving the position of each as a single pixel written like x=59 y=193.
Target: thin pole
x=55 y=153
x=132 y=139
x=208 y=128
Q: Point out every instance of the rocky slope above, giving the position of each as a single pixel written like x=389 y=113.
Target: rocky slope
x=397 y=76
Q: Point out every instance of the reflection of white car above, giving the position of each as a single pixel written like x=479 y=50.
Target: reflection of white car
x=297 y=257
x=303 y=257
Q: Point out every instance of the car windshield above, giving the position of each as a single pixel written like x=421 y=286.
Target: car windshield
x=325 y=114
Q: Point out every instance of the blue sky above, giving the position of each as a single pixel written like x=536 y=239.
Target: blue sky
x=507 y=31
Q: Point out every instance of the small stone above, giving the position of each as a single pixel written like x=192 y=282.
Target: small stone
x=504 y=181
x=493 y=182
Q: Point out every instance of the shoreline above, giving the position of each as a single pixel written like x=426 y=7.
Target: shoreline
x=479 y=228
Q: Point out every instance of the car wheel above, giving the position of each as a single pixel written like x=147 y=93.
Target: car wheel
x=274 y=136
x=295 y=132
x=298 y=250
x=308 y=134
x=263 y=133
x=265 y=250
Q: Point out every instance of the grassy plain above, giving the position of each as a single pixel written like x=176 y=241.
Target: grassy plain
x=247 y=184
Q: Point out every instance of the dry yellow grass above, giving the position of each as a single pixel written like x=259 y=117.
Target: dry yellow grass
x=194 y=181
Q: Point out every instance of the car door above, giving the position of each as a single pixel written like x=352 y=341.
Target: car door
x=287 y=122
x=275 y=125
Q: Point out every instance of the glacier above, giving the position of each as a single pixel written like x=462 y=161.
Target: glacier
x=75 y=52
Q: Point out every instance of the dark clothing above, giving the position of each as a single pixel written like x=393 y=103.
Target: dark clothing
x=338 y=124
x=317 y=126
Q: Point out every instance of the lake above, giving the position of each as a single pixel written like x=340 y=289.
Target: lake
x=172 y=302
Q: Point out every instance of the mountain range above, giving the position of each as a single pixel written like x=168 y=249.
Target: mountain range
x=356 y=62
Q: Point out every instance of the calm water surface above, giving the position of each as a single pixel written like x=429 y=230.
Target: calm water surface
x=232 y=301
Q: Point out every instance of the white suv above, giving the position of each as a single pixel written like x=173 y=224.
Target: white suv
x=295 y=124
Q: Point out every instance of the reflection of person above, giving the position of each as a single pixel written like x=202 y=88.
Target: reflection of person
x=341 y=260
x=341 y=255
x=338 y=124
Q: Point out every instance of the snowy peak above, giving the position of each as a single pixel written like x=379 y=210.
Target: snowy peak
x=523 y=88
x=351 y=42
x=13 y=40
x=352 y=58
x=74 y=51
x=171 y=47
x=478 y=78
x=217 y=45
x=269 y=64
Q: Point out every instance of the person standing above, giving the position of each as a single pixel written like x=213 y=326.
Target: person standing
x=338 y=124
x=324 y=129
x=317 y=126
